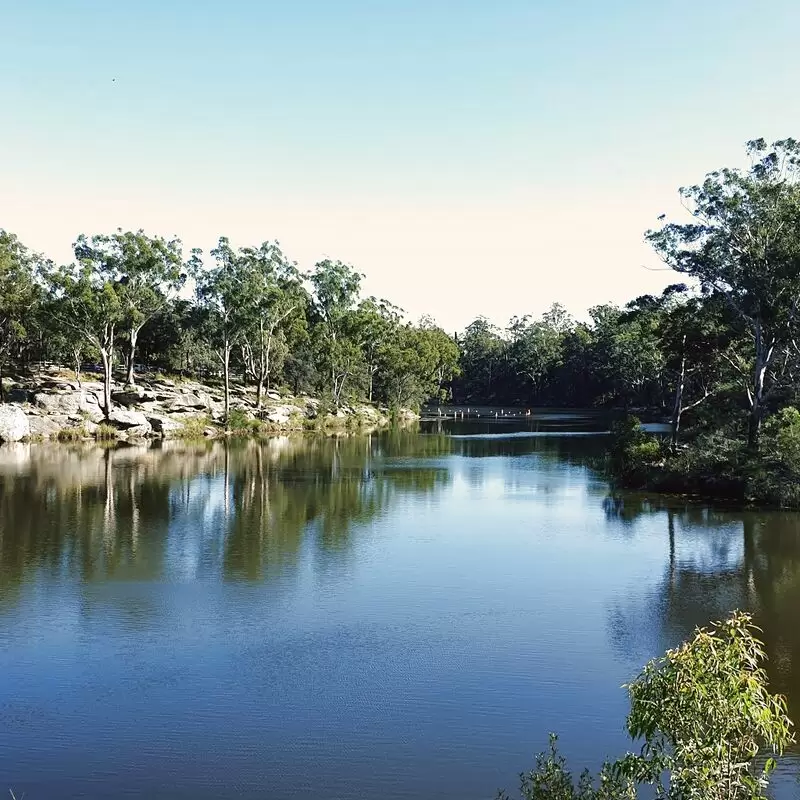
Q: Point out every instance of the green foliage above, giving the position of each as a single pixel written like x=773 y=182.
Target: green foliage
x=632 y=450
x=73 y=434
x=194 y=427
x=18 y=291
x=704 y=715
x=782 y=435
x=241 y=422
x=551 y=780
x=742 y=245
x=105 y=432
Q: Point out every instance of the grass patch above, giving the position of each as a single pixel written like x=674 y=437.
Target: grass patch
x=105 y=432
x=194 y=428
x=73 y=434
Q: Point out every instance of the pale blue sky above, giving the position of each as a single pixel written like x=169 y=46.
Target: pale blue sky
x=469 y=157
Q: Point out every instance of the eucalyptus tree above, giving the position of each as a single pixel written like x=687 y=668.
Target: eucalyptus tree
x=440 y=357
x=377 y=322
x=223 y=292
x=536 y=348
x=482 y=350
x=146 y=272
x=86 y=301
x=18 y=294
x=627 y=354
x=742 y=243
x=336 y=287
x=401 y=375
x=694 y=339
x=275 y=296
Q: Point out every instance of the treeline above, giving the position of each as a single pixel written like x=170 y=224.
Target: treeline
x=138 y=301
x=725 y=347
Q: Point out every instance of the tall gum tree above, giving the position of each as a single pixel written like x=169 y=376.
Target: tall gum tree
x=90 y=306
x=18 y=294
x=743 y=243
x=223 y=292
x=336 y=286
x=275 y=295
x=146 y=272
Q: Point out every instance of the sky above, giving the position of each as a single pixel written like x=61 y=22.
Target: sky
x=469 y=157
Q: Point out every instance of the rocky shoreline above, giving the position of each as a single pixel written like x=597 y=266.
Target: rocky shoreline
x=54 y=406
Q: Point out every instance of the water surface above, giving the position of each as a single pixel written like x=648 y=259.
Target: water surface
x=395 y=616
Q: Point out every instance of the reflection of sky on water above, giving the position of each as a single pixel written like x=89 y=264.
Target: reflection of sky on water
x=394 y=616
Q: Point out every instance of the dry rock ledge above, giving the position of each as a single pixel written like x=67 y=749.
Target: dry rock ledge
x=52 y=406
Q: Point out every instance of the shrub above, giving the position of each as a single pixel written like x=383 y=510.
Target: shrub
x=704 y=713
x=194 y=427
x=781 y=438
x=632 y=451
x=551 y=780
x=240 y=422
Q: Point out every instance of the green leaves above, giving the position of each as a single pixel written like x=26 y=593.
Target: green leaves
x=704 y=714
x=18 y=289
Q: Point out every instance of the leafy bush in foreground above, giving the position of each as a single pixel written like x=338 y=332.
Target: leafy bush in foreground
x=704 y=714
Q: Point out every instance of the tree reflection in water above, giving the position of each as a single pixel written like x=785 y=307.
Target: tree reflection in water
x=242 y=510
x=717 y=560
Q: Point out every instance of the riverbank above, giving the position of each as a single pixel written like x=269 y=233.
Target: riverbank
x=715 y=466
x=54 y=405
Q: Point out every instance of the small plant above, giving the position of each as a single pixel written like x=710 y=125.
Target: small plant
x=632 y=450
x=73 y=434
x=105 y=432
x=551 y=780
x=194 y=427
x=705 y=713
x=241 y=423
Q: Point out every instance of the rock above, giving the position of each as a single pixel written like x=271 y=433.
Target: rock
x=66 y=403
x=138 y=431
x=125 y=419
x=18 y=394
x=210 y=433
x=132 y=396
x=70 y=403
x=164 y=425
x=164 y=382
x=46 y=427
x=183 y=401
x=14 y=425
x=273 y=395
x=280 y=414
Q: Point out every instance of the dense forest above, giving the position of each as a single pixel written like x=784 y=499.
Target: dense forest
x=719 y=349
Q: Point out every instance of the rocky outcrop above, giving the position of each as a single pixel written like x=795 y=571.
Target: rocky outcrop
x=44 y=406
x=164 y=425
x=14 y=425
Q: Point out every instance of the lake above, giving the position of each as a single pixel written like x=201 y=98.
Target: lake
x=404 y=615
